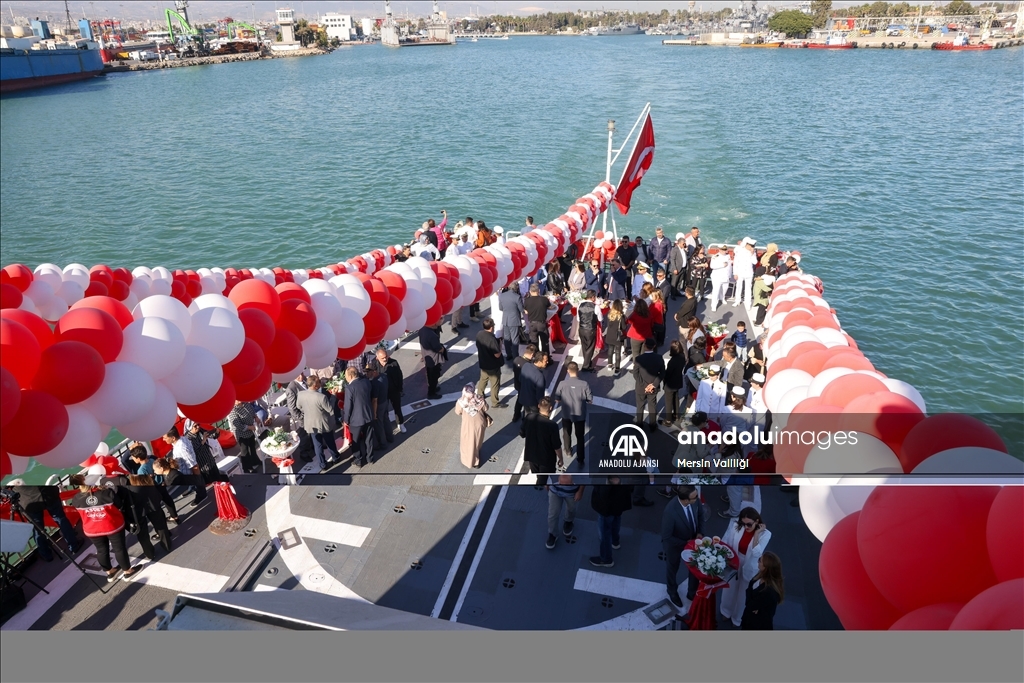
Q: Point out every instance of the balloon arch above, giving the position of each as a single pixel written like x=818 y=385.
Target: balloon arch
x=87 y=349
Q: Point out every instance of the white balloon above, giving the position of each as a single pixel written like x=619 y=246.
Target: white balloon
x=830 y=337
x=131 y=301
x=197 y=379
x=28 y=305
x=71 y=292
x=218 y=276
x=971 y=460
x=76 y=272
x=155 y=423
x=327 y=307
x=160 y=288
x=215 y=301
x=780 y=383
x=790 y=400
x=101 y=449
x=414 y=310
x=168 y=308
x=50 y=274
x=348 y=330
x=127 y=393
x=154 y=344
x=161 y=273
x=284 y=377
x=397 y=329
x=299 y=276
x=219 y=331
x=38 y=291
x=824 y=378
x=789 y=341
x=819 y=509
x=209 y=285
x=141 y=271
x=141 y=286
x=429 y=295
x=356 y=298
x=52 y=309
x=900 y=387
x=84 y=432
x=320 y=343
x=317 y=285
x=867 y=455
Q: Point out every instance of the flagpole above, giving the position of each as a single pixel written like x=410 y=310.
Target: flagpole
x=608 y=179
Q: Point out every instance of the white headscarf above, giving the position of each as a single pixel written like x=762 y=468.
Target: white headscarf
x=470 y=402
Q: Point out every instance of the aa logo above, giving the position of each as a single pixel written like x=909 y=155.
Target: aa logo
x=628 y=441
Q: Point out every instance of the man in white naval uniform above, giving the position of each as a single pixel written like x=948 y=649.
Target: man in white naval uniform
x=711 y=394
x=755 y=399
x=743 y=268
x=721 y=275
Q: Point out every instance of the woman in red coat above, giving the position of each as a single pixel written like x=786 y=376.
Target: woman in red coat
x=103 y=524
x=641 y=328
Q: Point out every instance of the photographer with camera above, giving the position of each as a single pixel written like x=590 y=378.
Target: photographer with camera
x=34 y=501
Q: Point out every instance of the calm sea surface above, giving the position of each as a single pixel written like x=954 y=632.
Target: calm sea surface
x=899 y=174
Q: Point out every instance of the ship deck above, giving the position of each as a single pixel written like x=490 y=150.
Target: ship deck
x=417 y=532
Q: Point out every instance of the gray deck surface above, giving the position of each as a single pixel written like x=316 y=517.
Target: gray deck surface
x=411 y=514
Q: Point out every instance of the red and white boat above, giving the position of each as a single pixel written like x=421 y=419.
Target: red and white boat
x=962 y=42
x=834 y=41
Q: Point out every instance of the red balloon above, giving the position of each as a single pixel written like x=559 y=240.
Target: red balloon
x=258 y=327
x=103 y=275
x=298 y=317
x=842 y=390
x=885 y=415
x=480 y=295
x=10 y=296
x=1005 y=533
x=10 y=396
x=797 y=316
x=895 y=543
x=396 y=283
x=782 y=307
x=259 y=295
x=217 y=408
x=434 y=314
x=854 y=360
x=97 y=288
x=180 y=276
x=42 y=422
x=71 y=371
x=248 y=365
x=820 y=321
x=285 y=353
x=804 y=347
x=811 y=362
x=352 y=352
x=290 y=290
x=443 y=289
x=394 y=307
x=780 y=364
x=456 y=287
x=250 y=391
x=378 y=292
x=178 y=290
x=846 y=584
x=999 y=608
x=810 y=415
x=17 y=276
x=39 y=328
x=119 y=290
x=942 y=432
x=193 y=288
x=936 y=617
x=19 y=351
x=109 y=305
x=376 y=323
x=362 y=277
x=123 y=275
x=96 y=328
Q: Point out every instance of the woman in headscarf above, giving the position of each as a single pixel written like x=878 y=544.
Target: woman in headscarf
x=475 y=422
x=770 y=259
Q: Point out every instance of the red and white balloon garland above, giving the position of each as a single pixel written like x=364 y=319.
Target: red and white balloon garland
x=87 y=349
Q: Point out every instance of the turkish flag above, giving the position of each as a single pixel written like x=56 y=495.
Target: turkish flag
x=639 y=161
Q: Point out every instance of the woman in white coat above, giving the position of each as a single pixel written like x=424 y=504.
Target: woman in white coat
x=748 y=536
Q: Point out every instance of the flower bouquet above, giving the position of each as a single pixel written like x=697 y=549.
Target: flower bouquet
x=701 y=372
x=710 y=556
x=278 y=442
x=716 y=329
x=336 y=384
x=701 y=480
x=575 y=298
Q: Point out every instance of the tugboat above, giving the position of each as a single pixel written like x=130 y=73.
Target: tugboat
x=962 y=42
x=834 y=41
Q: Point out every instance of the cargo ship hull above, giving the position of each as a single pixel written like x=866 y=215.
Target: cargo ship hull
x=25 y=70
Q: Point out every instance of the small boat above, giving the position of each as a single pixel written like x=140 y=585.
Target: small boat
x=794 y=43
x=961 y=43
x=773 y=43
x=834 y=41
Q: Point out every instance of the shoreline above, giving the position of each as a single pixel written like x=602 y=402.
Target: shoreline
x=212 y=59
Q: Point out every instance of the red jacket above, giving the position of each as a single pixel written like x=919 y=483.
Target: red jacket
x=640 y=328
x=100 y=515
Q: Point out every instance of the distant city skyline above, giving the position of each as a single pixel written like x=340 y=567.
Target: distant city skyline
x=210 y=10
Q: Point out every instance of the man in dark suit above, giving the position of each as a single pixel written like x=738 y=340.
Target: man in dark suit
x=532 y=382
x=649 y=371
x=433 y=357
x=510 y=304
x=517 y=373
x=619 y=281
x=543 y=447
x=291 y=393
x=687 y=310
x=661 y=282
x=537 y=307
x=596 y=279
x=488 y=352
x=589 y=326
x=677 y=264
x=358 y=414
x=681 y=522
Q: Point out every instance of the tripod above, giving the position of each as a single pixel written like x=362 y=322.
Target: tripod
x=9 y=570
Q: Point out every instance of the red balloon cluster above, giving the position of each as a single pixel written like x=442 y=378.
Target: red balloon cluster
x=929 y=558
